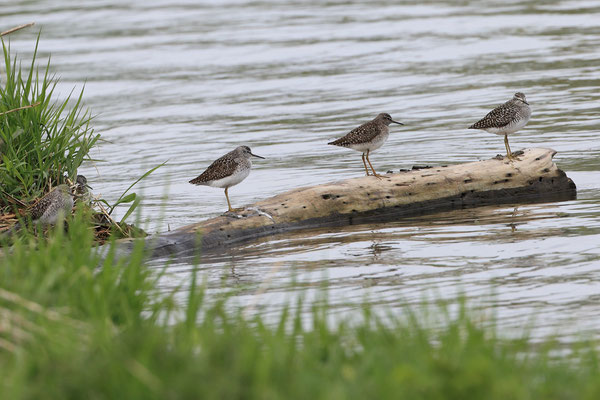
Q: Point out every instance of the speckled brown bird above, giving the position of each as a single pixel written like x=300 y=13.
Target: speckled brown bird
x=506 y=119
x=56 y=204
x=51 y=208
x=227 y=171
x=367 y=138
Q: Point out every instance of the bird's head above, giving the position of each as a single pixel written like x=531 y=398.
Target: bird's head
x=79 y=187
x=245 y=150
x=520 y=97
x=387 y=119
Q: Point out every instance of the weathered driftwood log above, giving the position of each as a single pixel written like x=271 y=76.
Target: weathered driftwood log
x=532 y=178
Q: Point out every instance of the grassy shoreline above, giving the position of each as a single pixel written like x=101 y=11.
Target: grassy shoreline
x=43 y=142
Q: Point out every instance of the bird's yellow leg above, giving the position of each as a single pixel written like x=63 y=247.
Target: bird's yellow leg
x=229 y=204
x=508 y=151
x=375 y=174
x=365 y=164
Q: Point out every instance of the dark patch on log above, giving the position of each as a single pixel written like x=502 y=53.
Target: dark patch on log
x=182 y=243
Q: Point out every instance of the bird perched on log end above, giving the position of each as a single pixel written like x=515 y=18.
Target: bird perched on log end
x=506 y=119
x=367 y=138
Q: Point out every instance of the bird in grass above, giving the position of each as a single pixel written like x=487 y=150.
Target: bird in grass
x=367 y=138
x=82 y=189
x=506 y=119
x=50 y=209
x=227 y=171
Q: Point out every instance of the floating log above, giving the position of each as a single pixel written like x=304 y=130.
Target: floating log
x=534 y=177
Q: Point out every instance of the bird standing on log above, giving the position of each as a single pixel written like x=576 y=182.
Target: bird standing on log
x=227 y=171
x=367 y=138
x=506 y=119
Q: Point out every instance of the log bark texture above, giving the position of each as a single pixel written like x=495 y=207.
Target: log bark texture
x=534 y=177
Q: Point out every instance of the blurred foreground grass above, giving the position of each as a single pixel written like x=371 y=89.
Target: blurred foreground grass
x=74 y=326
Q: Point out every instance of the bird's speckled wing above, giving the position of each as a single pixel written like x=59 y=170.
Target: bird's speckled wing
x=221 y=168
x=499 y=117
x=37 y=210
x=364 y=133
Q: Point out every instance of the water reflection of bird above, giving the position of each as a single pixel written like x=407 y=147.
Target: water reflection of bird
x=512 y=225
x=506 y=119
x=367 y=138
x=227 y=171
x=377 y=247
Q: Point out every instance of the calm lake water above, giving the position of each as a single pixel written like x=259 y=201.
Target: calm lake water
x=187 y=81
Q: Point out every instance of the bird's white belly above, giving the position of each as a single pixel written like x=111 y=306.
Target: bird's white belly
x=231 y=180
x=509 y=129
x=371 y=146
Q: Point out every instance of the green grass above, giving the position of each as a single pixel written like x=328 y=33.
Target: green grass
x=71 y=330
x=39 y=144
x=43 y=141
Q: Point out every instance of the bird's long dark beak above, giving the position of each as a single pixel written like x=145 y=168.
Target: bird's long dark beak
x=256 y=156
x=88 y=186
x=525 y=102
x=399 y=123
